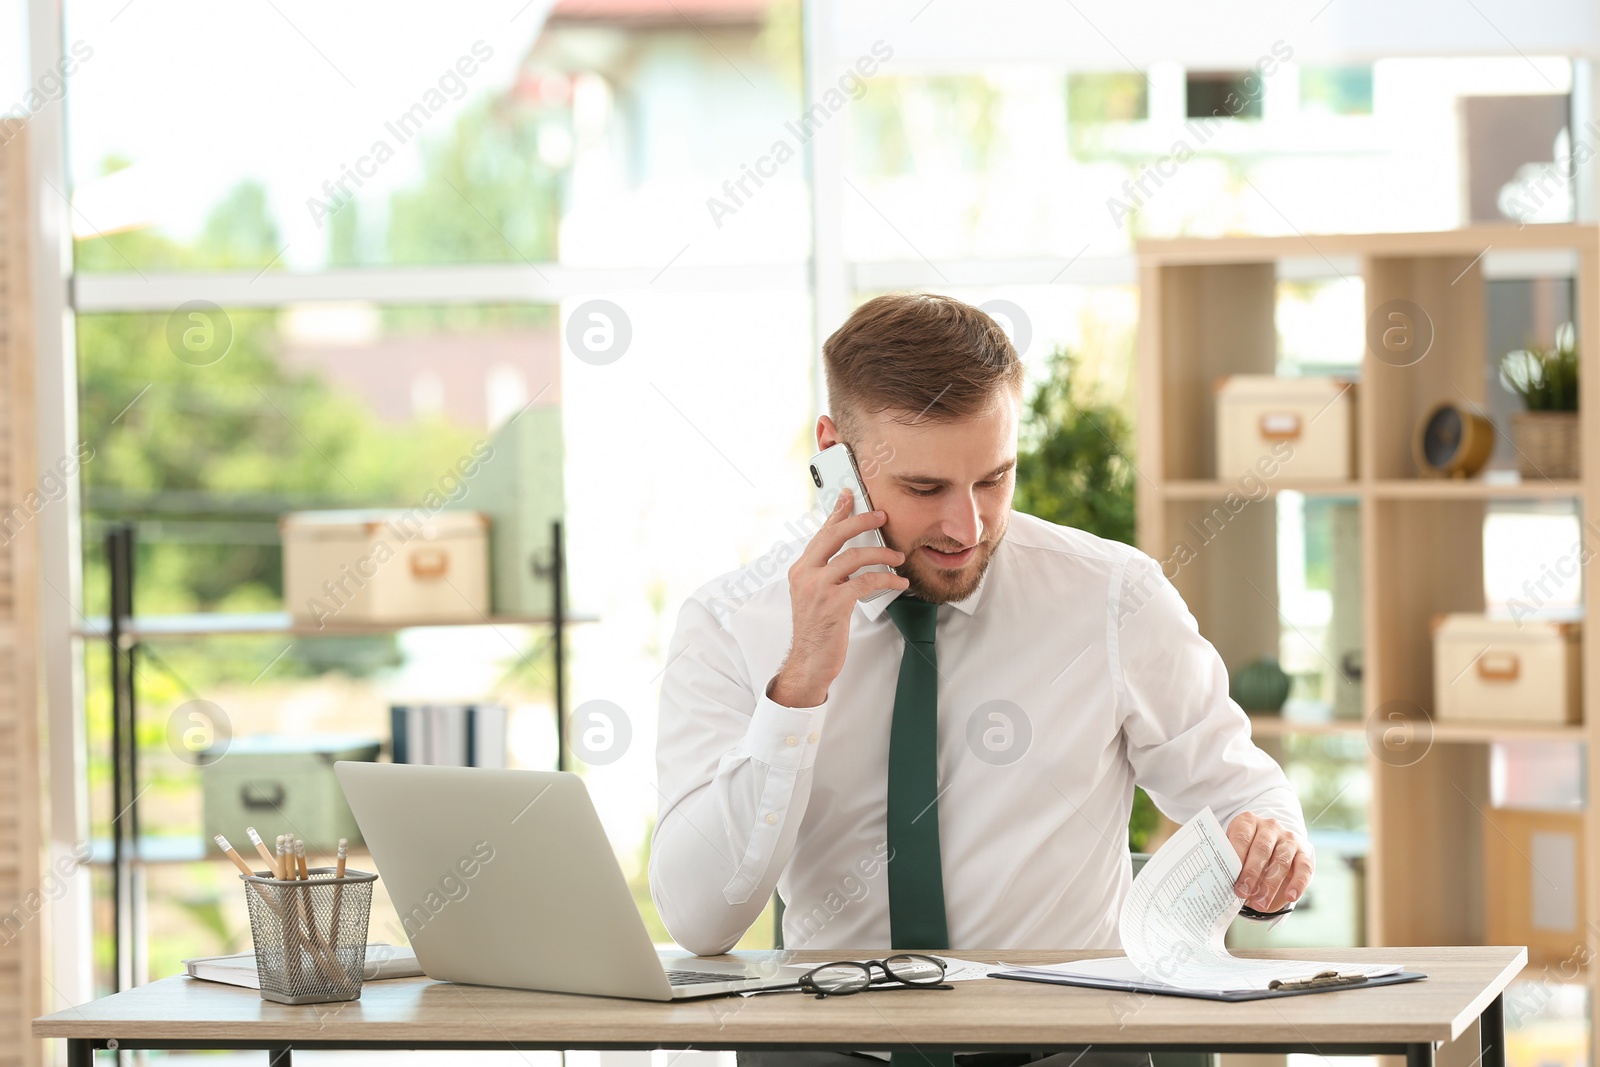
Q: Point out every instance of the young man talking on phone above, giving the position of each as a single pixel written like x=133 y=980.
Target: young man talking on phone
x=948 y=765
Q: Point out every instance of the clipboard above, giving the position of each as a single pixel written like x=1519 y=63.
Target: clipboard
x=1288 y=990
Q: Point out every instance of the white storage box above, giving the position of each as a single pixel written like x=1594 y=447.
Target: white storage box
x=1298 y=428
x=345 y=567
x=1505 y=670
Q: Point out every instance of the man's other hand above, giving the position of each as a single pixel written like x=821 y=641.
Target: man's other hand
x=1276 y=868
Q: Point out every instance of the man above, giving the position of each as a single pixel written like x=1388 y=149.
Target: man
x=949 y=765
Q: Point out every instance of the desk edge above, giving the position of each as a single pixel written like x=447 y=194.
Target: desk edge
x=1472 y=1011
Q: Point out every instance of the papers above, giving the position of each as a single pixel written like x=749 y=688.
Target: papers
x=1174 y=919
x=1120 y=972
x=383 y=961
x=964 y=970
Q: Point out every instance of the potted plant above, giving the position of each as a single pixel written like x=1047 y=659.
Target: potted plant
x=1546 y=434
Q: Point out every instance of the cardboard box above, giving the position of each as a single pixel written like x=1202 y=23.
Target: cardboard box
x=363 y=567
x=1533 y=882
x=1304 y=426
x=1504 y=670
x=281 y=784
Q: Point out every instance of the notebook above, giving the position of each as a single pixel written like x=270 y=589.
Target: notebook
x=383 y=961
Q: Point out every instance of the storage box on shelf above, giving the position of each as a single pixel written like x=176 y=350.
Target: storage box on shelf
x=1505 y=670
x=1533 y=876
x=1304 y=424
x=282 y=781
x=1207 y=311
x=353 y=567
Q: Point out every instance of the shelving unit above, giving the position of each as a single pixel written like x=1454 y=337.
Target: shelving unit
x=1207 y=309
x=124 y=633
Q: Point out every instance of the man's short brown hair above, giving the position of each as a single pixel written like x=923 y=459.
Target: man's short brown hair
x=929 y=356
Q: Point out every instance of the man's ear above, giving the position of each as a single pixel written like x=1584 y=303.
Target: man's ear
x=827 y=433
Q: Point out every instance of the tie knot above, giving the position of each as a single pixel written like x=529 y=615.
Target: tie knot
x=915 y=618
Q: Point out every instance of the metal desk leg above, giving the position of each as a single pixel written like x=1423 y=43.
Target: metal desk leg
x=1420 y=1055
x=280 y=1056
x=1492 y=1034
x=80 y=1053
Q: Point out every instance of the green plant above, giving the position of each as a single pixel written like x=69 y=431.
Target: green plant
x=1073 y=466
x=1073 y=469
x=1545 y=378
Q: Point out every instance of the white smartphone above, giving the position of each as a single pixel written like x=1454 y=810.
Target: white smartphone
x=832 y=470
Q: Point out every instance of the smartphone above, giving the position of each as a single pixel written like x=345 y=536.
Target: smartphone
x=832 y=470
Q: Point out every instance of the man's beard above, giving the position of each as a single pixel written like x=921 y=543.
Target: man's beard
x=928 y=581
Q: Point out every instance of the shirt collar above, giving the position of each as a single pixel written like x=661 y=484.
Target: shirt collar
x=874 y=608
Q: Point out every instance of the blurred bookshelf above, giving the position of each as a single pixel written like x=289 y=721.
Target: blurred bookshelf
x=1207 y=310
x=129 y=856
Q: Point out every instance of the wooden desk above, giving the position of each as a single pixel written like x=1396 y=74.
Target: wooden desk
x=1463 y=985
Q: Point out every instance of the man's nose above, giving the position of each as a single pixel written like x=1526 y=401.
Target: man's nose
x=962 y=523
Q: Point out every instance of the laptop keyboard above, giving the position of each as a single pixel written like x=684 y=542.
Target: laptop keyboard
x=698 y=977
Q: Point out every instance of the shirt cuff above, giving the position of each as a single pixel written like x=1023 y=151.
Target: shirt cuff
x=784 y=737
x=784 y=740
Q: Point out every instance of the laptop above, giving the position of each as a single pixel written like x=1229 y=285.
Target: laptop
x=506 y=878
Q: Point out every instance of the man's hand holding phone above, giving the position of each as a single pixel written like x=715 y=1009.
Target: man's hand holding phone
x=822 y=594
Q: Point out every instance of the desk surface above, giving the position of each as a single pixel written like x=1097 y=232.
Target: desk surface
x=1461 y=983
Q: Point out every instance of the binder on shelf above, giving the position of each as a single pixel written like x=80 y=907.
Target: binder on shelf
x=449 y=735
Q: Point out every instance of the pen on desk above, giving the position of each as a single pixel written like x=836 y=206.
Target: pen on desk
x=238 y=860
x=261 y=847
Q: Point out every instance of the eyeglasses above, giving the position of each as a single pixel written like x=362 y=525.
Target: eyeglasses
x=908 y=970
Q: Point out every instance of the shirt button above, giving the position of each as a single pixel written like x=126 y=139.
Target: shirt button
x=772 y=819
x=791 y=740
x=811 y=739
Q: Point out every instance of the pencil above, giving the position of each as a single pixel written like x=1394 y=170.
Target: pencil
x=300 y=859
x=238 y=860
x=338 y=892
x=261 y=847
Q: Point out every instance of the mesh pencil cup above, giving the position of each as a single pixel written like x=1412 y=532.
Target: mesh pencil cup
x=310 y=936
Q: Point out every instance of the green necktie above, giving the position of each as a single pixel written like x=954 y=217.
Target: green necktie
x=916 y=880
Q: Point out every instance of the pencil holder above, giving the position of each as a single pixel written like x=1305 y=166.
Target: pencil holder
x=310 y=936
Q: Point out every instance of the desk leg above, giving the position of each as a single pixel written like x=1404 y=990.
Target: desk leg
x=281 y=1056
x=1420 y=1055
x=1492 y=1034
x=80 y=1053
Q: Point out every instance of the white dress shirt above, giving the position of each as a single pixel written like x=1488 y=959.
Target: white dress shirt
x=1073 y=672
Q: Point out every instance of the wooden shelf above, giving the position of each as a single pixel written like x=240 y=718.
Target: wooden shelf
x=1384 y=488
x=1470 y=242
x=1473 y=489
x=1207 y=489
x=1403 y=547
x=219 y=624
x=1446 y=732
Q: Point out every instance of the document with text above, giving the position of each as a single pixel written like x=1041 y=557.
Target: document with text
x=1175 y=917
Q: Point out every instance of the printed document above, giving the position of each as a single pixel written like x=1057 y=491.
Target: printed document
x=1174 y=919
